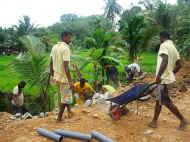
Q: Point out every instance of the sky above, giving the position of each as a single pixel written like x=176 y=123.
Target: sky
x=48 y=12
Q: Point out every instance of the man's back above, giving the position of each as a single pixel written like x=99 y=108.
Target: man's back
x=60 y=53
x=134 y=67
x=18 y=98
x=169 y=49
x=86 y=87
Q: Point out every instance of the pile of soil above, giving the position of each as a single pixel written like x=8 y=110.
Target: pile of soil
x=131 y=128
x=4 y=120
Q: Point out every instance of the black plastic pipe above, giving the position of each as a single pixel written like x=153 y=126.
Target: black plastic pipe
x=49 y=134
x=100 y=137
x=74 y=135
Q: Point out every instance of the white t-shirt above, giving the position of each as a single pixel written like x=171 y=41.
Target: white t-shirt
x=169 y=49
x=134 y=67
x=19 y=98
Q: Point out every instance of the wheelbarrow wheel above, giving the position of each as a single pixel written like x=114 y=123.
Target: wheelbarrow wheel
x=115 y=113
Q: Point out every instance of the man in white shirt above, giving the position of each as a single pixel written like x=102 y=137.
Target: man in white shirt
x=18 y=98
x=168 y=64
x=133 y=70
x=60 y=72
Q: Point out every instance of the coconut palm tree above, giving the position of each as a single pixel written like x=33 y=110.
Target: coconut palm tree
x=137 y=34
x=32 y=66
x=25 y=27
x=183 y=2
x=127 y=14
x=112 y=9
x=163 y=16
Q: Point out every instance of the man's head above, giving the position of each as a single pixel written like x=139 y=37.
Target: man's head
x=22 y=84
x=129 y=74
x=164 y=36
x=66 y=37
x=82 y=82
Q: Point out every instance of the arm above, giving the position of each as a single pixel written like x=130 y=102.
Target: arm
x=67 y=71
x=92 y=90
x=163 y=66
x=14 y=99
x=177 y=66
x=15 y=95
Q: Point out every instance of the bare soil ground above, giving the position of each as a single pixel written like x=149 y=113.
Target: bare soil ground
x=131 y=128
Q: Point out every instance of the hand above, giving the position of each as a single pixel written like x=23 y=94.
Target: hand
x=158 y=79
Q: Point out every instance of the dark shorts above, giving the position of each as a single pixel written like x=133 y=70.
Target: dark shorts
x=165 y=98
x=19 y=109
x=112 y=73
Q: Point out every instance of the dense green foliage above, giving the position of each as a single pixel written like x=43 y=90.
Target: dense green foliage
x=98 y=40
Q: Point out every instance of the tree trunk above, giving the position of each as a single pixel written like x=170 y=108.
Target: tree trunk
x=103 y=75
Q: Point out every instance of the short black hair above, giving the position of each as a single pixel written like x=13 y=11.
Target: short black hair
x=65 y=33
x=82 y=80
x=22 y=83
x=165 y=34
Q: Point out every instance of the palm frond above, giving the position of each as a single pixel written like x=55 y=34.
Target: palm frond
x=32 y=66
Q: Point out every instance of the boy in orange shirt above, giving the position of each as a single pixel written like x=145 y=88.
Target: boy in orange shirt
x=83 y=90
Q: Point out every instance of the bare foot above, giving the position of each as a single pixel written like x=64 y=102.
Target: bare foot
x=58 y=120
x=183 y=124
x=152 y=124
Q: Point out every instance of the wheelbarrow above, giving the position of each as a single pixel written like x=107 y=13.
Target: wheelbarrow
x=118 y=104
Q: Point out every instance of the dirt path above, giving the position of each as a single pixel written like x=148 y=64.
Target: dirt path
x=131 y=128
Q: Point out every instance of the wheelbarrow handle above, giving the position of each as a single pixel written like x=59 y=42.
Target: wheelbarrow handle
x=147 y=87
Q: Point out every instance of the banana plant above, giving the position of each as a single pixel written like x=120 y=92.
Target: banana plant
x=102 y=45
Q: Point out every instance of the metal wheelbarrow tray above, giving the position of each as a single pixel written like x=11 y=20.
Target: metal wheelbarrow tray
x=136 y=92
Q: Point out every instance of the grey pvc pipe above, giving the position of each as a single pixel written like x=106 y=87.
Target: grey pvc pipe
x=49 y=134
x=100 y=137
x=74 y=135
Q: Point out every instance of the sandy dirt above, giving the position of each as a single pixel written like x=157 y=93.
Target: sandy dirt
x=131 y=128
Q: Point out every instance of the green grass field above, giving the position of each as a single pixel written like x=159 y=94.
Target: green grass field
x=8 y=78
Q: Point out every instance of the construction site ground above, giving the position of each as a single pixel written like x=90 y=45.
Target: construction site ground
x=130 y=128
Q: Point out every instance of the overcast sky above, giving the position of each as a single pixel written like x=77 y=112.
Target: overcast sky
x=47 y=12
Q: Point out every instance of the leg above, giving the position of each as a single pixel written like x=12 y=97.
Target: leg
x=157 y=111
x=61 y=111
x=56 y=102
x=177 y=113
x=60 y=103
x=67 y=99
x=172 y=107
x=18 y=109
x=70 y=113
x=15 y=109
x=24 y=110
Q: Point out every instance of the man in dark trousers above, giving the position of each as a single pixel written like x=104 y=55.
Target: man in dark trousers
x=112 y=75
x=168 y=64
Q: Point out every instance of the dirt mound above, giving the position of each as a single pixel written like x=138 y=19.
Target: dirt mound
x=4 y=120
x=131 y=128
